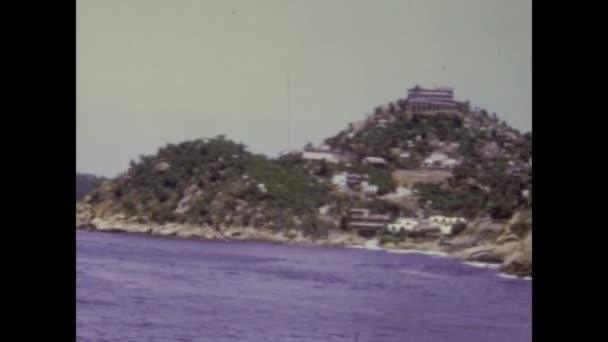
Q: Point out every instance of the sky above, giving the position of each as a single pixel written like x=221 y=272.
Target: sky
x=276 y=74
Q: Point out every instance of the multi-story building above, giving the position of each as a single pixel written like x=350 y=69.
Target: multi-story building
x=429 y=100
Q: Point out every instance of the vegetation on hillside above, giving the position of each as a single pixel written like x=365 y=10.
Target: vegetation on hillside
x=377 y=176
x=214 y=182
x=217 y=182
x=494 y=159
x=85 y=183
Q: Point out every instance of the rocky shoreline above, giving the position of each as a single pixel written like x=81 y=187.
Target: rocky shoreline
x=483 y=242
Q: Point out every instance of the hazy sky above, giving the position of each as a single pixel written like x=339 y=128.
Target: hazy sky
x=151 y=72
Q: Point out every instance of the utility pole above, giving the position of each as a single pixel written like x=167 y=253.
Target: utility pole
x=288 y=114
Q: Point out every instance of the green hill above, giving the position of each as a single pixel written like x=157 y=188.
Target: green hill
x=493 y=159
x=212 y=182
x=217 y=182
x=85 y=183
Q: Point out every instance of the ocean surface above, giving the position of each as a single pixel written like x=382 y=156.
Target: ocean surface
x=140 y=288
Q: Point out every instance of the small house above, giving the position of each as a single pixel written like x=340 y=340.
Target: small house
x=377 y=161
x=328 y=155
x=369 y=189
x=362 y=218
x=403 y=224
x=439 y=160
x=445 y=223
x=347 y=180
x=358 y=212
x=405 y=155
x=340 y=180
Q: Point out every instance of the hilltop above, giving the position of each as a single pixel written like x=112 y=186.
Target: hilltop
x=488 y=163
x=401 y=161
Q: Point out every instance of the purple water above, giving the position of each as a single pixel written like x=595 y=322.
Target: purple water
x=140 y=288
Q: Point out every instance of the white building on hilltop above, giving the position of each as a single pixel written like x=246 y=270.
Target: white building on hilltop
x=325 y=154
x=437 y=159
x=369 y=189
x=379 y=161
x=340 y=180
x=345 y=181
x=429 y=100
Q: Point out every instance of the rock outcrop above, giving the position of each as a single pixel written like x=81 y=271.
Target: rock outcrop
x=488 y=253
x=488 y=242
x=520 y=261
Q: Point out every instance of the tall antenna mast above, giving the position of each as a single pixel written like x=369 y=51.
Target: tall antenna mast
x=288 y=115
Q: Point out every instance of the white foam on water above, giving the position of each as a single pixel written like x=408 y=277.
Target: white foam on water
x=416 y=251
x=353 y=246
x=482 y=264
x=420 y=273
x=361 y=247
x=372 y=244
x=508 y=276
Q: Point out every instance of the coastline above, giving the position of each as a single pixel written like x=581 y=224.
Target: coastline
x=293 y=237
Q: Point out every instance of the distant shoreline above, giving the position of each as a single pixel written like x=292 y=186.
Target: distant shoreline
x=248 y=234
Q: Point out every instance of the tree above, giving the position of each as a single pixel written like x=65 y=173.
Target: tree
x=521 y=228
x=343 y=222
x=402 y=104
x=463 y=172
x=458 y=228
x=118 y=192
x=500 y=210
x=323 y=169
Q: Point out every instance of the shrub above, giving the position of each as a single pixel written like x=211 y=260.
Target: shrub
x=468 y=202
x=385 y=239
x=95 y=197
x=521 y=229
x=500 y=210
x=117 y=192
x=458 y=228
x=129 y=207
x=366 y=233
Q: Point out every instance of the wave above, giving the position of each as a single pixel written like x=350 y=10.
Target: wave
x=416 y=251
x=510 y=276
x=370 y=245
x=420 y=273
x=482 y=264
x=367 y=248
